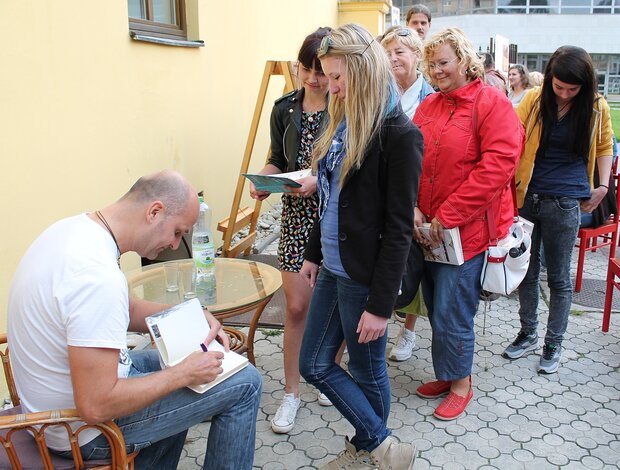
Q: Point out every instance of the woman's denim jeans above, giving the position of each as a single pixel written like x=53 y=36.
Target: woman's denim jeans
x=452 y=295
x=363 y=397
x=556 y=223
x=158 y=431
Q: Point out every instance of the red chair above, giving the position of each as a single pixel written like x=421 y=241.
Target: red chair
x=588 y=237
x=613 y=272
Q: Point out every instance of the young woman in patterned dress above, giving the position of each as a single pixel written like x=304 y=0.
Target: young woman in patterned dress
x=296 y=122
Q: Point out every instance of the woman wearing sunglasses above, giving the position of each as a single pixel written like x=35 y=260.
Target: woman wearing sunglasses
x=296 y=120
x=472 y=143
x=404 y=49
x=368 y=162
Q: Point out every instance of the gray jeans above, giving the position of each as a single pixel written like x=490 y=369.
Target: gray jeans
x=556 y=222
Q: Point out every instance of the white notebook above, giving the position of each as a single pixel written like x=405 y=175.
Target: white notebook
x=180 y=330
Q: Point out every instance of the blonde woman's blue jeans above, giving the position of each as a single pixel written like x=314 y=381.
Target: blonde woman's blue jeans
x=364 y=396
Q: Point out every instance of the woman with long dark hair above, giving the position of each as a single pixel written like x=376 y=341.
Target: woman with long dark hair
x=568 y=135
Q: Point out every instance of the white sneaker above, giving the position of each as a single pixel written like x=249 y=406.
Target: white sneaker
x=284 y=420
x=405 y=342
x=323 y=400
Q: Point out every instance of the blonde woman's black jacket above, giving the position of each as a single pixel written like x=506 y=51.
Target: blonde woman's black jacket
x=375 y=213
x=285 y=127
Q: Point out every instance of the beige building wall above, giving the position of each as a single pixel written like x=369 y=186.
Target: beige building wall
x=86 y=110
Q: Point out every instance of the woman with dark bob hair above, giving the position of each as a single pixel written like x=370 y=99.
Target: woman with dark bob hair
x=568 y=135
x=297 y=119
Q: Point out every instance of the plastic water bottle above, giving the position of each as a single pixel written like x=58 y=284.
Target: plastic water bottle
x=203 y=249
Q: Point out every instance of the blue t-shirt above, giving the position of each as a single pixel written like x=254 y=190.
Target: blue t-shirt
x=559 y=171
x=329 y=227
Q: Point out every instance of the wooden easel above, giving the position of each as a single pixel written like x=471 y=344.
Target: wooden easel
x=247 y=215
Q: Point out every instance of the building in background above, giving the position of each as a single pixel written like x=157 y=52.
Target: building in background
x=538 y=28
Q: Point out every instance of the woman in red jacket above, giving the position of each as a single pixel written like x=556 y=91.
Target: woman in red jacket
x=472 y=143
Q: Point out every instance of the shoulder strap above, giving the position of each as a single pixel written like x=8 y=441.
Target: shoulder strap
x=489 y=212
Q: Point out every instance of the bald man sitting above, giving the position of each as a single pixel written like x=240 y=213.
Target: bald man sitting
x=68 y=317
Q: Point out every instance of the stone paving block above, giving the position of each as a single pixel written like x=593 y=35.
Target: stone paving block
x=518 y=419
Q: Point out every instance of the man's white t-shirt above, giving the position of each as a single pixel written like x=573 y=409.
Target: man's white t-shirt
x=67 y=291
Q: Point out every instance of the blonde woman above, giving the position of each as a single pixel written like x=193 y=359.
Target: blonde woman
x=368 y=171
x=536 y=78
x=472 y=143
x=404 y=49
x=519 y=79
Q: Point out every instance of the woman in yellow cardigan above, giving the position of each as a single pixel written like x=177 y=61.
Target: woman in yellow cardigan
x=568 y=131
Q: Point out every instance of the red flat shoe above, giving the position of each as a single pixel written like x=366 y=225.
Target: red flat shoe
x=433 y=389
x=453 y=406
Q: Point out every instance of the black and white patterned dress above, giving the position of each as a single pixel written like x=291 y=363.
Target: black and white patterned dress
x=298 y=212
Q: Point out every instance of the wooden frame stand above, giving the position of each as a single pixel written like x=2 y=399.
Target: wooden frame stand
x=247 y=215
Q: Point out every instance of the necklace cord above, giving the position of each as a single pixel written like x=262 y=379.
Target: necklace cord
x=107 y=226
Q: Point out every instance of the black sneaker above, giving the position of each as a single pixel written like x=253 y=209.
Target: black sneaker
x=522 y=344
x=550 y=358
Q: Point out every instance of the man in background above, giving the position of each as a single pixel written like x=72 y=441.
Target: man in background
x=492 y=76
x=419 y=19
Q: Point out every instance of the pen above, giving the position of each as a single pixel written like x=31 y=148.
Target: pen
x=203 y=347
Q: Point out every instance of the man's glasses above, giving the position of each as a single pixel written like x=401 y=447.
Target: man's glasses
x=440 y=66
x=326 y=43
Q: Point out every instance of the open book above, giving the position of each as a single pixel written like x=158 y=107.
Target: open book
x=277 y=183
x=180 y=330
x=450 y=251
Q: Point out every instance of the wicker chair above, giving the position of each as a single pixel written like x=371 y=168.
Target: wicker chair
x=23 y=439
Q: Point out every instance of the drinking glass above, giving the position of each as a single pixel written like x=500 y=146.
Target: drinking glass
x=188 y=281
x=171 y=271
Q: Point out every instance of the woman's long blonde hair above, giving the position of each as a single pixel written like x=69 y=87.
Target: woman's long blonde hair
x=370 y=95
x=463 y=48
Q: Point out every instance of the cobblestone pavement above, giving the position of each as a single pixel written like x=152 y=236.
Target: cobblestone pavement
x=517 y=419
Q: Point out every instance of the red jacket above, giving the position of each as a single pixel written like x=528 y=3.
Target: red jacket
x=464 y=173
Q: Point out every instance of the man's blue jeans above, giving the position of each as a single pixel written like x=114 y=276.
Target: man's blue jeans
x=363 y=397
x=556 y=223
x=452 y=295
x=158 y=431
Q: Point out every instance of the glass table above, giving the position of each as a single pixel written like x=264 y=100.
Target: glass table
x=237 y=287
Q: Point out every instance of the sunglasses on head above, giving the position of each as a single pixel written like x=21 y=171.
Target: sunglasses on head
x=326 y=43
x=402 y=32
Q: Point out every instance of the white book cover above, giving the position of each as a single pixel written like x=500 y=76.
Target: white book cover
x=180 y=330
x=450 y=251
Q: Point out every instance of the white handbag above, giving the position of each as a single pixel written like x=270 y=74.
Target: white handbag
x=507 y=260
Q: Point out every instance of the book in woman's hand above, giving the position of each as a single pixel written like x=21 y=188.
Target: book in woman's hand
x=278 y=183
x=450 y=251
x=180 y=330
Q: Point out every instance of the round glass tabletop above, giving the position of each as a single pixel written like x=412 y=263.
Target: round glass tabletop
x=233 y=283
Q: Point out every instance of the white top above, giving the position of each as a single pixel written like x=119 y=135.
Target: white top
x=516 y=99
x=410 y=99
x=67 y=290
